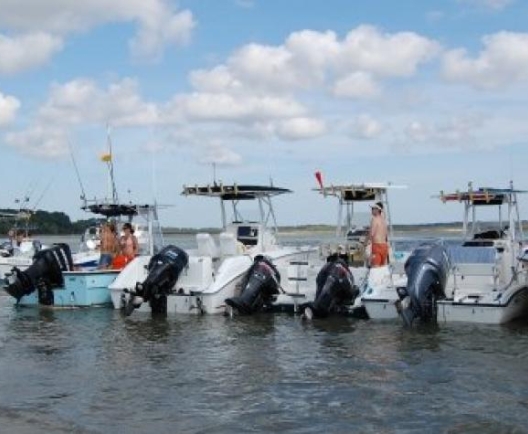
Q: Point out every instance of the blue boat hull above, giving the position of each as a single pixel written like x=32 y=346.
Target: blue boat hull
x=81 y=289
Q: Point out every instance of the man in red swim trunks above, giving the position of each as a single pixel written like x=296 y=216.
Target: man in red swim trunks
x=378 y=237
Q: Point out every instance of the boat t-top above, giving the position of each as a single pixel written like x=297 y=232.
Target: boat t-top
x=258 y=236
x=351 y=232
x=142 y=217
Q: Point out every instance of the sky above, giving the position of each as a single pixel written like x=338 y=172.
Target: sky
x=429 y=95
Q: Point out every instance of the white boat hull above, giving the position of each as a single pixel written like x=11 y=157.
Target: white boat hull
x=198 y=292
x=380 y=309
x=485 y=313
x=379 y=295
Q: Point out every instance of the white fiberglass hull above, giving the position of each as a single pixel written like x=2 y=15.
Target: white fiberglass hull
x=379 y=296
x=7 y=264
x=197 y=291
x=514 y=306
x=380 y=309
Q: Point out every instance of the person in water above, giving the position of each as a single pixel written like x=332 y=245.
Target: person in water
x=108 y=245
x=128 y=243
x=378 y=237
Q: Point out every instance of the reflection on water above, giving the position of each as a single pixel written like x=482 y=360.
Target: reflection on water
x=94 y=370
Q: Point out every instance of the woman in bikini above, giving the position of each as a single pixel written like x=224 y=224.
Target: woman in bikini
x=128 y=243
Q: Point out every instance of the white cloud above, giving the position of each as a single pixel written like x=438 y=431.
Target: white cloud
x=81 y=101
x=310 y=60
x=356 y=85
x=39 y=141
x=26 y=51
x=313 y=53
x=265 y=68
x=9 y=106
x=301 y=128
x=418 y=132
x=502 y=62
x=219 y=79
x=385 y=55
x=459 y=132
x=225 y=107
x=490 y=4
x=219 y=154
x=366 y=127
x=161 y=29
x=159 y=24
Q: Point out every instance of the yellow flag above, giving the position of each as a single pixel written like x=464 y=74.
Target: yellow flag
x=106 y=157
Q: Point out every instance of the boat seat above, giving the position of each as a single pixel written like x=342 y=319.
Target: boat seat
x=472 y=254
x=206 y=245
x=229 y=245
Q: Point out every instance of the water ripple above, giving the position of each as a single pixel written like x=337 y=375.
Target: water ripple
x=95 y=371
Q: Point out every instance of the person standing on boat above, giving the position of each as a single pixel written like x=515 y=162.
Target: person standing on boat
x=20 y=236
x=128 y=243
x=108 y=245
x=378 y=237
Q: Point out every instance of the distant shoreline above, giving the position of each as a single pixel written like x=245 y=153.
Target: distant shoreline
x=440 y=228
x=434 y=227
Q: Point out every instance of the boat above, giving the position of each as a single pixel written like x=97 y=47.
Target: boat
x=331 y=282
x=209 y=276
x=20 y=248
x=373 y=292
x=81 y=286
x=82 y=283
x=487 y=279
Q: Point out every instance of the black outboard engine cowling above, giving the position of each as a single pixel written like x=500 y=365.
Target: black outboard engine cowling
x=43 y=275
x=164 y=269
x=335 y=289
x=259 y=285
x=427 y=269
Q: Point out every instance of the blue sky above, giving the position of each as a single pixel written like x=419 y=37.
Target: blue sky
x=427 y=94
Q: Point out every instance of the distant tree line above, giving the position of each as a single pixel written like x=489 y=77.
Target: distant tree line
x=59 y=223
x=43 y=222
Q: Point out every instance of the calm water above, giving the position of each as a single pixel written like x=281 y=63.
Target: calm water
x=94 y=371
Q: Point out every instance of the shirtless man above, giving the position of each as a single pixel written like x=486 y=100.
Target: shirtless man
x=378 y=237
x=108 y=245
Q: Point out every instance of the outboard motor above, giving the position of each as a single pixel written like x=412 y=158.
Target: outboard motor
x=259 y=285
x=427 y=268
x=335 y=288
x=164 y=269
x=43 y=275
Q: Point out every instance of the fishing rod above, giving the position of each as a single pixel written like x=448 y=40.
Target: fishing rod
x=83 y=194
x=48 y=185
